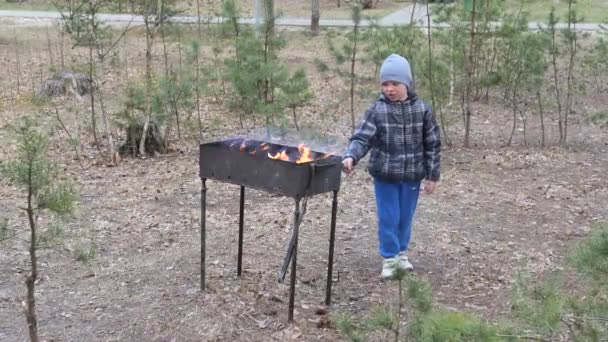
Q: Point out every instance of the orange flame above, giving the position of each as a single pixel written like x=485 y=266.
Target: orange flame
x=280 y=155
x=304 y=154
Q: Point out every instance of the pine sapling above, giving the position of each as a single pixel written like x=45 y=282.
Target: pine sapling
x=44 y=191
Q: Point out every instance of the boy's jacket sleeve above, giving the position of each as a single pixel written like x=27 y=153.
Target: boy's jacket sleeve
x=361 y=141
x=432 y=146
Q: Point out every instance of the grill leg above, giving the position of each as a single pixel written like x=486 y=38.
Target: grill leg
x=292 y=285
x=241 y=220
x=330 y=258
x=203 y=229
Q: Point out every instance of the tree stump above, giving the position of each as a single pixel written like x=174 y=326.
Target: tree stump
x=154 y=140
x=65 y=83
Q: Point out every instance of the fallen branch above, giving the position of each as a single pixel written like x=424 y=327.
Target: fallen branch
x=70 y=137
x=526 y=337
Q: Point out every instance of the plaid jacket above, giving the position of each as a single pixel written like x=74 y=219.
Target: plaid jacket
x=403 y=138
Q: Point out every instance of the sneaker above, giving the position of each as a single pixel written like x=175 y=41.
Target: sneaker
x=388 y=267
x=404 y=263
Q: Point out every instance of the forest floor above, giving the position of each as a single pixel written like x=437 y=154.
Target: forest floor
x=498 y=210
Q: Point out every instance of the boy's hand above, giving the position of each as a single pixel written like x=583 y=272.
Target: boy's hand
x=429 y=186
x=348 y=166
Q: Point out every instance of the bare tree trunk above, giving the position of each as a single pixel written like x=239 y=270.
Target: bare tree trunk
x=30 y=280
x=18 y=60
x=150 y=35
x=198 y=97
x=148 y=100
x=48 y=44
x=556 y=84
x=491 y=69
x=71 y=139
x=198 y=19
x=413 y=12
x=314 y=19
x=524 y=120
x=352 y=72
x=451 y=73
x=165 y=55
x=542 y=118
x=61 y=35
x=32 y=80
x=470 y=71
x=430 y=72
x=295 y=118
x=126 y=60
x=397 y=328
x=113 y=156
x=572 y=39
x=92 y=97
x=515 y=108
x=514 y=122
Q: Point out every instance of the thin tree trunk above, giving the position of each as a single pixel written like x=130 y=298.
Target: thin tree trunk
x=556 y=84
x=352 y=75
x=514 y=121
x=113 y=156
x=451 y=73
x=198 y=19
x=542 y=118
x=494 y=54
x=30 y=280
x=435 y=107
x=198 y=97
x=48 y=44
x=573 y=49
x=71 y=139
x=32 y=82
x=314 y=19
x=399 y=309
x=524 y=120
x=469 y=84
x=515 y=108
x=413 y=12
x=165 y=56
x=148 y=101
x=295 y=119
x=61 y=34
x=92 y=97
x=18 y=60
x=150 y=35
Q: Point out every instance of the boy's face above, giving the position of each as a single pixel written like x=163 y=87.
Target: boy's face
x=395 y=91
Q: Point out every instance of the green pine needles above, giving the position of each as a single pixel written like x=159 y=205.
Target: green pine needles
x=45 y=190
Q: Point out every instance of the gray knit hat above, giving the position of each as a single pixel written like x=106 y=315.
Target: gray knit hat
x=396 y=68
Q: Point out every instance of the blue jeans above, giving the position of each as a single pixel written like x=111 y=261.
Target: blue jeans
x=395 y=206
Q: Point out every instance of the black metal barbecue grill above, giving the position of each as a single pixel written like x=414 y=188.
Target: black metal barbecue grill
x=279 y=169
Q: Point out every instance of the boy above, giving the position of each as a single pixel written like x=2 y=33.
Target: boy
x=403 y=136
